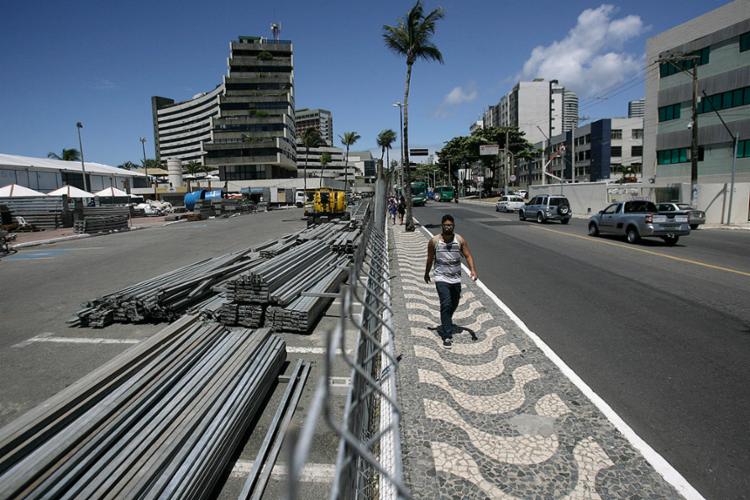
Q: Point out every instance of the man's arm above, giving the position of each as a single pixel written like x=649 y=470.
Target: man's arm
x=469 y=260
x=430 y=259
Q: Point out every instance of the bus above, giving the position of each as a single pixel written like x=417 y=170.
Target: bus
x=418 y=193
x=444 y=193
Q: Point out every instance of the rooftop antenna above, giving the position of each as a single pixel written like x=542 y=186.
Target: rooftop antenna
x=276 y=30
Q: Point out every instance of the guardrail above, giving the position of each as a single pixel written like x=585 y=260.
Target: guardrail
x=368 y=463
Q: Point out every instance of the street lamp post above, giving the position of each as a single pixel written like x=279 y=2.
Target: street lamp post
x=79 y=126
x=145 y=168
x=400 y=135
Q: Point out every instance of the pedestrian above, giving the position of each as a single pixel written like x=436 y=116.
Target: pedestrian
x=445 y=251
x=401 y=210
x=392 y=209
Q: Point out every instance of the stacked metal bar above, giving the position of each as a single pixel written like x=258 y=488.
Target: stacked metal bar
x=101 y=224
x=49 y=212
x=166 y=296
x=161 y=420
x=301 y=314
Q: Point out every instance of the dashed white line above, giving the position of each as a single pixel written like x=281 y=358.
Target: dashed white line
x=73 y=340
x=312 y=473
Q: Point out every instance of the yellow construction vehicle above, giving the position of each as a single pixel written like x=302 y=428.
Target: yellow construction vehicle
x=326 y=204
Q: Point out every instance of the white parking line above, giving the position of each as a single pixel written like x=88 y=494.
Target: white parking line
x=47 y=337
x=659 y=463
x=312 y=350
x=312 y=473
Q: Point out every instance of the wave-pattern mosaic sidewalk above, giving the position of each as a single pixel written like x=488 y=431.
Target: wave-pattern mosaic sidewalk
x=493 y=417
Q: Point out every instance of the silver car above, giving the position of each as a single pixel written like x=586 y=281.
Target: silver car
x=695 y=217
x=509 y=204
x=638 y=219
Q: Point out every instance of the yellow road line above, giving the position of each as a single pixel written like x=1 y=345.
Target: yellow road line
x=650 y=252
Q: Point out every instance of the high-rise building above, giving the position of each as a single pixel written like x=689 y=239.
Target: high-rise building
x=570 y=110
x=320 y=119
x=636 y=108
x=719 y=41
x=245 y=126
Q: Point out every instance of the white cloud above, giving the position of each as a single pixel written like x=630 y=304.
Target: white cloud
x=590 y=58
x=457 y=96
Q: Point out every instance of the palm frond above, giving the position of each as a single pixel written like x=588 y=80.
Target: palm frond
x=429 y=52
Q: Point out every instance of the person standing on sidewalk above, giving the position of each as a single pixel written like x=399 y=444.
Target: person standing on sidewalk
x=445 y=251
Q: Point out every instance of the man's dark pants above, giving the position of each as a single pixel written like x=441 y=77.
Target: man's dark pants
x=449 y=295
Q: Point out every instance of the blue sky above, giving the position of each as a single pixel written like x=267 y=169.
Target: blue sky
x=99 y=62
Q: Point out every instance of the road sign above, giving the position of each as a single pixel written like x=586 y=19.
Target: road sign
x=418 y=152
x=489 y=150
x=513 y=178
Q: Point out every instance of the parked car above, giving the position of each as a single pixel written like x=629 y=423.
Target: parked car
x=638 y=219
x=522 y=193
x=509 y=204
x=695 y=217
x=546 y=207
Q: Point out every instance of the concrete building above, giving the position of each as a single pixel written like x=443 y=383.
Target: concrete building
x=181 y=129
x=320 y=119
x=45 y=175
x=637 y=108
x=535 y=105
x=610 y=149
x=721 y=41
x=311 y=162
x=477 y=125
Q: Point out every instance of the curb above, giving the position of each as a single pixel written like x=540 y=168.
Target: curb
x=61 y=239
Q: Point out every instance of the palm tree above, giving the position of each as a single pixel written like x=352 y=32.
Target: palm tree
x=67 y=155
x=385 y=139
x=128 y=165
x=348 y=139
x=310 y=139
x=325 y=159
x=412 y=38
x=193 y=167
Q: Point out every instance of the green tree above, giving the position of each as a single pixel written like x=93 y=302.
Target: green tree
x=385 y=140
x=128 y=165
x=67 y=155
x=348 y=140
x=325 y=159
x=193 y=167
x=412 y=38
x=310 y=139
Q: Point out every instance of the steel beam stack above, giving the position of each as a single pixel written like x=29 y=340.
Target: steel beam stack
x=101 y=224
x=161 y=420
x=166 y=296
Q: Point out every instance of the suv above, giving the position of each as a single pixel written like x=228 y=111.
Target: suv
x=547 y=207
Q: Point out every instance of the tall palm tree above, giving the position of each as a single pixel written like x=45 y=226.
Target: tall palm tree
x=310 y=139
x=348 y=140
x=412 y=38
x=385 y=139
x=67 y=155
x=325 y=159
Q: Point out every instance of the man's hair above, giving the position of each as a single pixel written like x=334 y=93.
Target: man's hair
x=447 y=217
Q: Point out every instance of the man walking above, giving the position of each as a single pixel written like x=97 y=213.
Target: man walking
x=445 y=250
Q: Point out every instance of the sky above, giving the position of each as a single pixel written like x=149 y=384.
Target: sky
x=99 y=62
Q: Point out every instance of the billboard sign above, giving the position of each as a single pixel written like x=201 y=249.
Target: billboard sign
x=489 y=150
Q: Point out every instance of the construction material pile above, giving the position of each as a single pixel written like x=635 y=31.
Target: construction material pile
x=166 y=296
x=49 y=212
x=162 y=420
x=102 y=224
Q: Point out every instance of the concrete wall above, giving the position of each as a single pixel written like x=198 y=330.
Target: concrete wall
x=585 y=197
x=714 y=200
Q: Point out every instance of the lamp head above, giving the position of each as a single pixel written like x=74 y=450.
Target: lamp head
x=79 y=124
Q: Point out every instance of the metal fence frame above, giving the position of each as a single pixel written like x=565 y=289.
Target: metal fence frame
x=368 y=462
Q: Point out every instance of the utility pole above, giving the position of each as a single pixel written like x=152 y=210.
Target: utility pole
x=79 y=126
x=673 y=60
x=505 y=162
x=736 y=139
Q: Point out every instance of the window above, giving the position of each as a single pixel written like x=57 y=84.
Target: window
x=724 y=100
x=670 y=156
x=616 y=151
x=616 y=133
x=743 y=149
x=665 y=207
x=639 y=207
x=670 y=68
x=636 y=150
x=611 y=209
x=745 y=42
x=671 y=112
x=636 y=133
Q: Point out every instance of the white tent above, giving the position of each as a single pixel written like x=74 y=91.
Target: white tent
x=111 y=192
x=16 y=191
x=71 y=192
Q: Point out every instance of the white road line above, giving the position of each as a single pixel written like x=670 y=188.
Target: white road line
x=659 y=463
x=74 y=340
x=312 y=350
x=312 y=473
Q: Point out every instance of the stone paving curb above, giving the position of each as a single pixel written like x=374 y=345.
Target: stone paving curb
x=494 y=417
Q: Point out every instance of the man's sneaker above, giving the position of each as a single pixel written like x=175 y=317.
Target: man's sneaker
x=447 y=342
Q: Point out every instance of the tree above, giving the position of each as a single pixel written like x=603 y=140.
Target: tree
x=412 y=38
x=67 y=155
x=193 y=167
x=385 y=140
x=128 y=165
x=325 y=159
x=348 y=139
x=310 y=139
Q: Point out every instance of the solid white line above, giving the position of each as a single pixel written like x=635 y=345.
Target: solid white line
x=75 y=340
x=312 y=473
x=659 y=463
x=312 y=350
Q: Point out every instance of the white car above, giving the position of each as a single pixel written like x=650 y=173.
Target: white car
x=509 y=204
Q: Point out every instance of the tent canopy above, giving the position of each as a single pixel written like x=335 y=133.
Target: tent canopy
x=16 y=191
x=71 y=192
x=112 y=192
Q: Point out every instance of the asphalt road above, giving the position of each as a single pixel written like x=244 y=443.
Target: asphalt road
x=660 y=333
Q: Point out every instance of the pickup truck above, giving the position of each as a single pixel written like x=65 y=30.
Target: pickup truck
x=638 y=219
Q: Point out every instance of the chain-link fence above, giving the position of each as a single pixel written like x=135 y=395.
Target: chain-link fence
x=368 y=462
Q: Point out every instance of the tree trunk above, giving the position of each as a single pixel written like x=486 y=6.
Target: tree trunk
x=346 y=176
x=380 y=195
x=407 y=174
